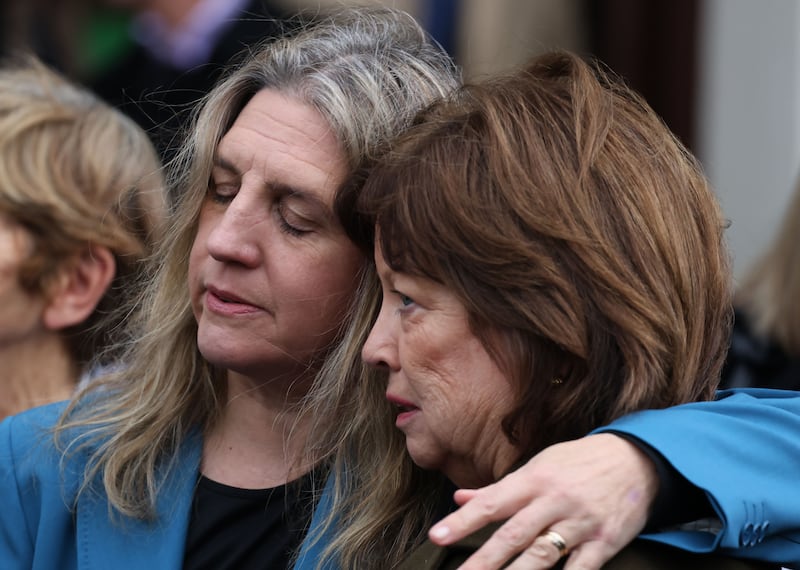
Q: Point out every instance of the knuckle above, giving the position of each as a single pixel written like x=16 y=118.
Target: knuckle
x=538 y=553
x=487 y=506
x=513 y=534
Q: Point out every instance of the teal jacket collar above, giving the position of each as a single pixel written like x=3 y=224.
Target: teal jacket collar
x=40 y=529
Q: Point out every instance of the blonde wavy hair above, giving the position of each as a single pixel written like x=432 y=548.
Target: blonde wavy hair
x=367 y=70
x=75 y=171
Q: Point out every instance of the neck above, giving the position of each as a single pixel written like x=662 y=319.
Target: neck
x=259 y=439
x=488 y=461
x=36 y=372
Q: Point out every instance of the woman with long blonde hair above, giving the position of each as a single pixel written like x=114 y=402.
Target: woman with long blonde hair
x=190 y=453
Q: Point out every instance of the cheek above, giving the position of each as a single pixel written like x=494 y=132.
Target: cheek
x=335 y=275
x=321 y=288
x=469 y=383
x=197 y=256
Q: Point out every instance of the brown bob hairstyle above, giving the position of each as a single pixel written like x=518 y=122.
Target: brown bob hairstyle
x=575 y=227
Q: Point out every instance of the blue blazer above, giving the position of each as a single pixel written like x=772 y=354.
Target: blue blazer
x=42 y=528
x=743 y=451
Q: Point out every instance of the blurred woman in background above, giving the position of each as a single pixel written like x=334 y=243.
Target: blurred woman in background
x=82 y=203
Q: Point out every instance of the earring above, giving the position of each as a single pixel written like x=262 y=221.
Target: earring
x=556 y=381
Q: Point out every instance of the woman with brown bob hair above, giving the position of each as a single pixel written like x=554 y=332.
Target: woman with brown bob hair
x=551 y=259
x=561 y=211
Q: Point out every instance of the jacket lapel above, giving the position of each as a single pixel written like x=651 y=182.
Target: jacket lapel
x=124 y=544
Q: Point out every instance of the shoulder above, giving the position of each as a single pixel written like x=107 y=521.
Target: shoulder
x=25 y=429
x=28 y=454
x=34 y=491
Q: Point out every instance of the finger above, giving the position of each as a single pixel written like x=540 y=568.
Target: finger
x=541 y=554
x=487 y=505
x=463 y=496
x=589 y=556
x=522 y=531
x=511 y=538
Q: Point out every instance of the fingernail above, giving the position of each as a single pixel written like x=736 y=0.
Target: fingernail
x=440 y=532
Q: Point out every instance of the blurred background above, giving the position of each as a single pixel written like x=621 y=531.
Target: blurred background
x=723 y=74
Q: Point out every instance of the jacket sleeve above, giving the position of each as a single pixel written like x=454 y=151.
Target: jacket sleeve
x=743 y=451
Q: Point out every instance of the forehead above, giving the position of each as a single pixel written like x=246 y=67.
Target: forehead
x=283 y=140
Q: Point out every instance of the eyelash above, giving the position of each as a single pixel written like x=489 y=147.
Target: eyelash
x=289 y=229
x=403 y=298
x=216 y=196
x=285 y=226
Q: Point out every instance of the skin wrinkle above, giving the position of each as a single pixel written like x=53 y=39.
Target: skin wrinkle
x=437 y=364
x=250 y=220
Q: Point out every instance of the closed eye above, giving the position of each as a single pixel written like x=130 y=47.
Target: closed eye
x=292 y=228
x=222 y=193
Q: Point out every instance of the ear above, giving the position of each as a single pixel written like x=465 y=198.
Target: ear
x=79 y=288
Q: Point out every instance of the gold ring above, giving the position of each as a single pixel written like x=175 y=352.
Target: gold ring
x=558 y=541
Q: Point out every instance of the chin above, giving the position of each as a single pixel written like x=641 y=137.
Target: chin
x=425 y=458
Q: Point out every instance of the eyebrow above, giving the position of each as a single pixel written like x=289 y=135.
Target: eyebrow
x=220 y=162
x=282 y=189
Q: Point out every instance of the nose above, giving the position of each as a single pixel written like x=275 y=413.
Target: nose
x=380 y=349
x=234 y=235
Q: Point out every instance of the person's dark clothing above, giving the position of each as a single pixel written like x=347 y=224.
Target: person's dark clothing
x=247 y=529
x=160 y=97
x=758 y=362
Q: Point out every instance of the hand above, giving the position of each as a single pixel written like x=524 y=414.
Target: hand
x=595 y=492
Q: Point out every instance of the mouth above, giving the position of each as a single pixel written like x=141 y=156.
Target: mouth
x=225 y=303
x=400 y=403
x=405 y=410
x=226 y=297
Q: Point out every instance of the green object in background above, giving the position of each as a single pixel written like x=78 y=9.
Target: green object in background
x=105 y=39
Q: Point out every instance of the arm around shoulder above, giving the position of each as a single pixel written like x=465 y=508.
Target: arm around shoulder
x=743 y=451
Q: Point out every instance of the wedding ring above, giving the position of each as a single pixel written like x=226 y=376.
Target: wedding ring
x=558 y=541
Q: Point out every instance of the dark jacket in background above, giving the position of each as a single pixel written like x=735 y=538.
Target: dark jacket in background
x=758 y=362
x=160 y=97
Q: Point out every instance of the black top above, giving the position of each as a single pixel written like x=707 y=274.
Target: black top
x=247 y=529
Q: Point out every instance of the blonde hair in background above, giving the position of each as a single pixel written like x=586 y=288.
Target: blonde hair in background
x=770 y=291
x=367 y=71
x=74 y=171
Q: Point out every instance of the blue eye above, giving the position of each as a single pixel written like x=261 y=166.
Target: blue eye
x=406 y=300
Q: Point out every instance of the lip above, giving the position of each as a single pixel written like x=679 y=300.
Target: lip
x=225 y=303
x=407 y=410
